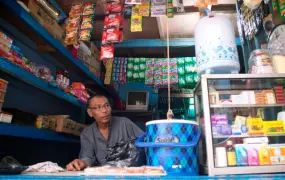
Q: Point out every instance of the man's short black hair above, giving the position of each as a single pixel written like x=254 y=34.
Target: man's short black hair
x=94 y=96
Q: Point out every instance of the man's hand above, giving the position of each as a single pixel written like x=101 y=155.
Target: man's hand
x=77 y=165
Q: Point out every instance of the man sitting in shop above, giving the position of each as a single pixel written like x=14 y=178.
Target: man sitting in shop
x=103 y=135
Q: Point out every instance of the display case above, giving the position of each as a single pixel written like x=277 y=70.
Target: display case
x=242 y=121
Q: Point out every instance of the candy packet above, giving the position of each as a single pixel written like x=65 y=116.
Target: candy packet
x=111 y=36
x=144 y=10
x=73 y=24
x=107 y=52
x=136 y=20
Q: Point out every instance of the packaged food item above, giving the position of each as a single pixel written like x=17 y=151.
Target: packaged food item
x=157 y=81
x=255 y=126
x=282 y=8
x=241 y=155
x=181 y=81
x=253 y=155
x=77 y=86
x=136 y=20
x=226 y=129
x=170 y=9
x=274 y=127
x=158 y=10
x=264 y=156
x=111 y=36
x=112 y=8
x=142 y=76
x=216 y=130
x=113 y=21
x=180 y=6
x=144 y=10
x=76 y=10
x=282 y=154
x=189 y=78
x=50 y=9
x=174 y=79
x=136 y=76
x=136 y=67
x=165 y=80
x=275 y=154
x=133 y=1
x=87 y=22
x=149 y=80
x=85 y=35
x=149 y=71
x=219 y=119
x=73 y=24
x=275 y=5
x=89 y=9
x=107 y=52
x=240 y=121
x=231 y=154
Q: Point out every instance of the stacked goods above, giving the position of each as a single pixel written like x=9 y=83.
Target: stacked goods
x=60 y=123
x=80 y=23
x=119 y=70
x=157 y=72
x=149 y=71
x=279 y=94
x=112 y=31
x=136 y=19
x=108 y=75
x=78 y=90
x=47 y=18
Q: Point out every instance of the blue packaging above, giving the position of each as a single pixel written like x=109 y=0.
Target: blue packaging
x=241 y=155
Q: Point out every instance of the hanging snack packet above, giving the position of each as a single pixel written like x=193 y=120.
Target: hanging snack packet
x=85 y=35
x=89 y=9
x=111 y=36
x=112 y=21
x=149 y=80
x=144 y=10
x=164 y=80
x=73 y=24
x=174 y=79
x=75 y=10
x=71 y=37
x=170 y=9
x=107 y=52
x=136 y=20
x=157 y=81
x=87 y=22
x=112 y=8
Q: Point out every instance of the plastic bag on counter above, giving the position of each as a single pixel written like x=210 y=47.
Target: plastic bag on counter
x=123 y=154
x=9 y=165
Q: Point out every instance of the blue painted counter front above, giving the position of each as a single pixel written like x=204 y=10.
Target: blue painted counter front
x=244 y=177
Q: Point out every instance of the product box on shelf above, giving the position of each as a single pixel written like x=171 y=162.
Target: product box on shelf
x=3 y=85
x=5 y=117
x=46 y=122
x=46 y=21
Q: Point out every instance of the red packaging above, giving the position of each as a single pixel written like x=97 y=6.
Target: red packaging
x=107 y=52
x=112 y=21
x=111 y=36
x=77 y=86
x=75 y=10
x=112 y=8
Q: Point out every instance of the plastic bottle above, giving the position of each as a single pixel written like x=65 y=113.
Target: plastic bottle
x=231 y=154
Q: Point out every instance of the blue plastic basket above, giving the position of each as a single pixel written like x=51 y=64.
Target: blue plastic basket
x=172 y=144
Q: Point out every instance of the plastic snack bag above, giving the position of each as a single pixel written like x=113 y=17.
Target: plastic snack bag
x=112 y=21
x=76 y=10
x=107 y=52
x=87 y=22
x=89 y=9
x=136 y=20
x=144 y=10
x=85 y=35
x=111 y=36
x=112 y=8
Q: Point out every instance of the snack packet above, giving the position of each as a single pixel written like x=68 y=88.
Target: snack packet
x=85 y=35
x=112 y=8
x=111 y=36
x=87 y=22
x=75 y=10
x=89 y=9
x=107 y=52
x=136 y=20
x=112 y=21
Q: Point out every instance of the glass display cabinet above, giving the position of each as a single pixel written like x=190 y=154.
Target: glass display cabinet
x=242 y=121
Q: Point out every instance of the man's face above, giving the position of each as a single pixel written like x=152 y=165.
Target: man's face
x=99 y=108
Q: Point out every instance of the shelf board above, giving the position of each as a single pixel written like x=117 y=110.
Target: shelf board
x=247 y=136
x=34 y=133
x=22 y=74
x=244 y=105
x=24 y=16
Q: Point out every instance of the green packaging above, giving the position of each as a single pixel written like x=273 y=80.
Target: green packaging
x=181 y=82
x=149 y=80
x=189 y=78
x=181 y=70
x=180 y=61
x=142 y=67
x=142 y=76
x=136 y=67
x=196 y=78
x=136 y=76
x=189 y=67
x=130 y=66
x=136 y=60
x=281 y=4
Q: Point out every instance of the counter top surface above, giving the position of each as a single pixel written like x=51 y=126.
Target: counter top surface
x=77 y=176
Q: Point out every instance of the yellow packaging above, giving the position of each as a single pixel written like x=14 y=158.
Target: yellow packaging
x=136 y=19
x=255 y=126
x=274 y=127
x=282 y=154
x=274 y=152
x=264 y=156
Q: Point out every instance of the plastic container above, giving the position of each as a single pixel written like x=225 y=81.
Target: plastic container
x=3 y=85
x=215 y=46
x=172 y=144
x=260 y=62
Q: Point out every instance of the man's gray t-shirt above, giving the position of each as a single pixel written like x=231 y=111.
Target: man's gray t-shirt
x=94 y=145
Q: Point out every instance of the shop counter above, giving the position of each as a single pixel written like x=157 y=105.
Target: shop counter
x=77 y=176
